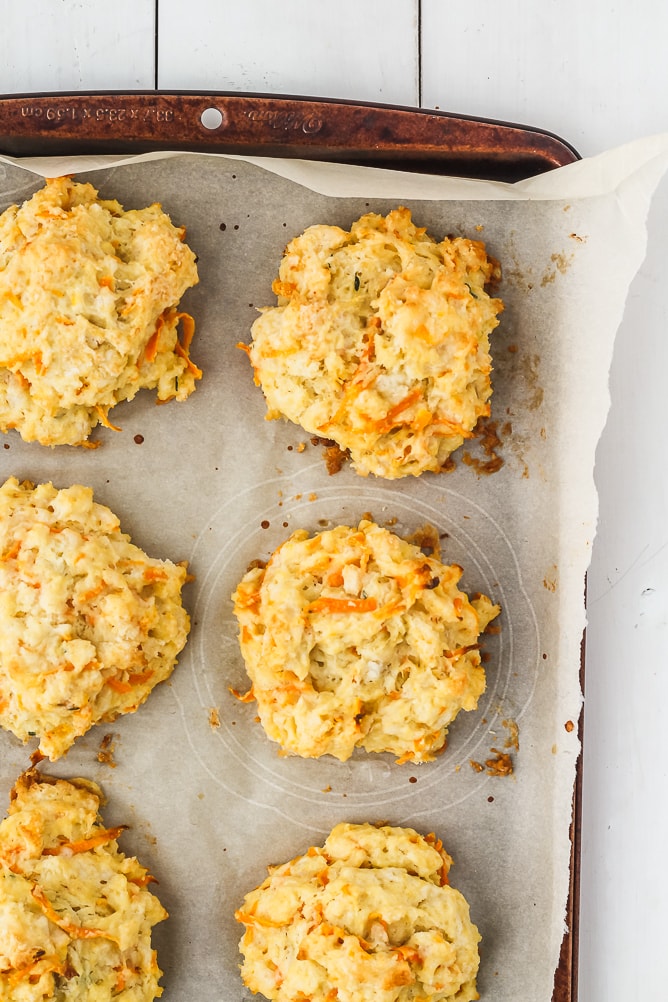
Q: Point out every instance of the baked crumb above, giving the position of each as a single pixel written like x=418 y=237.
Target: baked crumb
x=500 y=765
x=106 y=750
x=335 y=458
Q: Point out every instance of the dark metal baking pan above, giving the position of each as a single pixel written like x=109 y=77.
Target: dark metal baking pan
x=375 y=135
x=262 y=125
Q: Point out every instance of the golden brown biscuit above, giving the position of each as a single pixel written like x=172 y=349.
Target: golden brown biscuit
x=89 y=624
x=88 y=311
x=353 y=638
x=369 y=916
x=75 y=913
x=380 y=341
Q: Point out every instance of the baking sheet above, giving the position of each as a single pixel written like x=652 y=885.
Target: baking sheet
x=210 y=481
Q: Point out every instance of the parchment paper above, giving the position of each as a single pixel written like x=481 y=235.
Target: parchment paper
x=210 y=801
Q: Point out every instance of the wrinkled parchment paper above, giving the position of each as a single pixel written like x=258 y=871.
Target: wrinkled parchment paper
x=209 y=800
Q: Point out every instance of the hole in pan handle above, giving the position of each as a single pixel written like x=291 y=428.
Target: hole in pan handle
x=267 y=125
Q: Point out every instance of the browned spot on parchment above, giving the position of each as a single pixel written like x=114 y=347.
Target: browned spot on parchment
x=489 y=440
x=529 y=366
x=550 y=579
x=513 y=739
x=561 y=263
x=428 y=540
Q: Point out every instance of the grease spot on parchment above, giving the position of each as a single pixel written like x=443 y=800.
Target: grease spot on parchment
x=560 y=264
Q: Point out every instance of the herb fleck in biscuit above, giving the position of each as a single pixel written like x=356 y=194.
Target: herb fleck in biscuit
x=88 y=311
x=354 y=638
x=75 y=912
x=380 y=341
x=89 y=624
x=369 y=916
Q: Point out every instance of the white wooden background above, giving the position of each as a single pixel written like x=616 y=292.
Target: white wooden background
x=596 y=73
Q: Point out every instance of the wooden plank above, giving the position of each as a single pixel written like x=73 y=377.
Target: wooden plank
x=55 y=45
x=593 y=73
x=366 y=51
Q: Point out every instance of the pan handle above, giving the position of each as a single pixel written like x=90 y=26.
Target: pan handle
x=264 y=125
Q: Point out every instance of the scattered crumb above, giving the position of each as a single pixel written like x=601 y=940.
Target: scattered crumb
x=327 y=789
x=500 y=765
x=313 y=497
x=569 y=726
x=214 y=717
x=106 y=751
x=554 y=749
x=512 y=348
x=335 y=457
x=301 y=446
